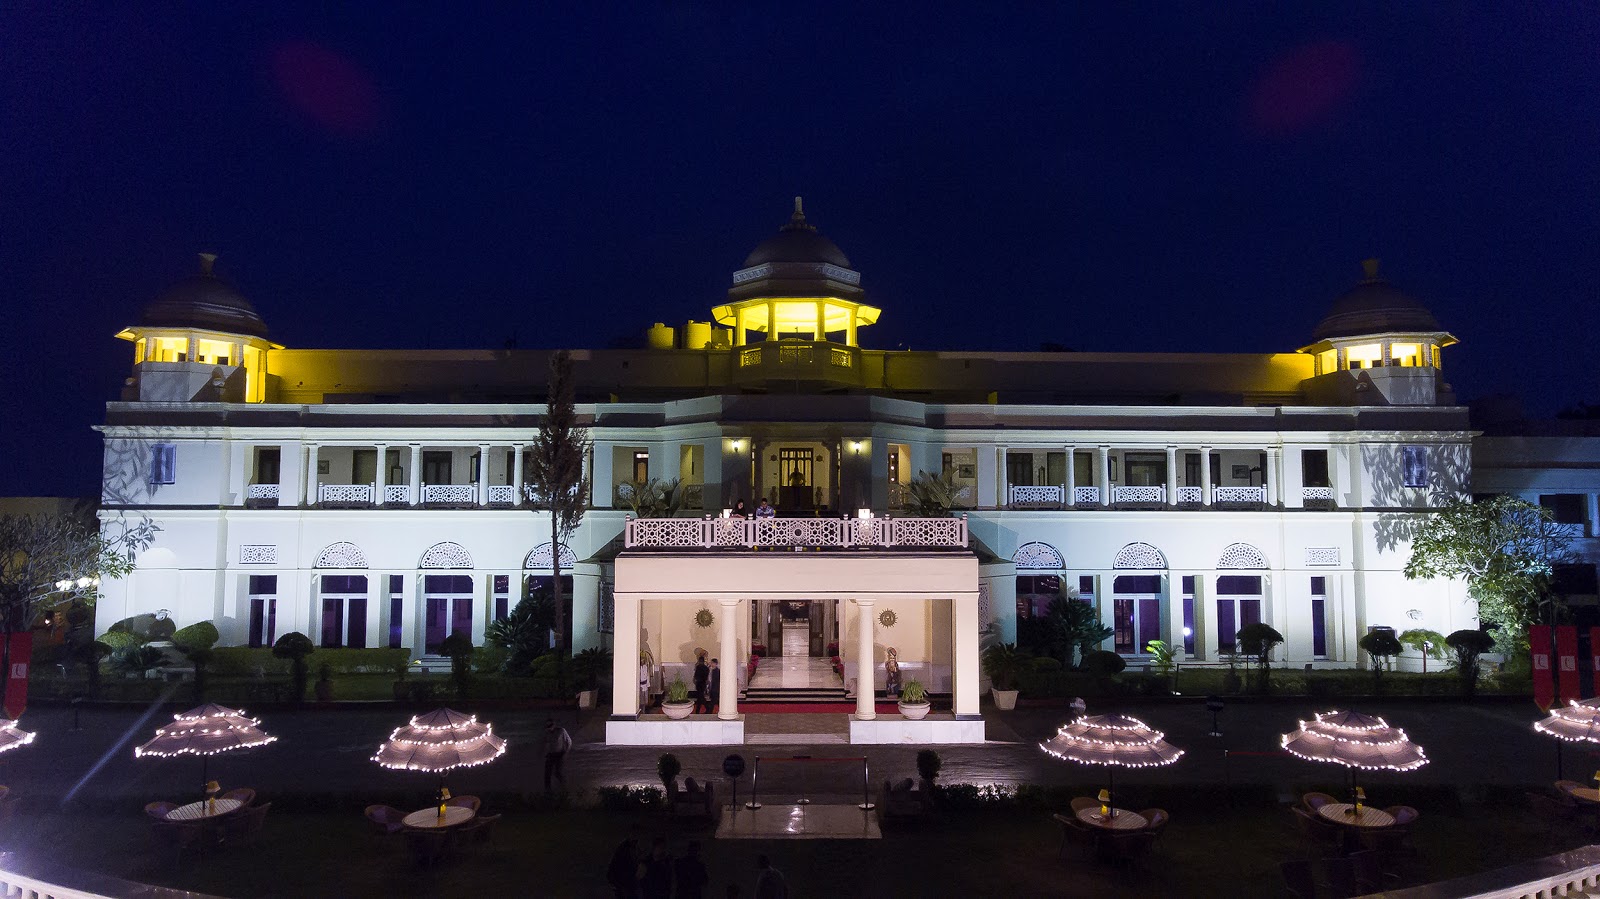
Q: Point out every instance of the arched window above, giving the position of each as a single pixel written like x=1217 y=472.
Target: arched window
x=539 y=559
x=446 y=555
x=341 y=555
x=1038 y=578
x=1139 y=556
x=1037 y=556
x=1242 y=555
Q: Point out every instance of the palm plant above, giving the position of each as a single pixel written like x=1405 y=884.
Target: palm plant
x=933 y=496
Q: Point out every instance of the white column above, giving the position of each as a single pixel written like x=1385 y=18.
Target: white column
x=1105 y=475
x=625 y=656
x=1001 y=478
x=1071 y=484
x=772 y=320
x=728 y=661
x=866 y=708
x=416 y=474
x=1272 y=479
x=381 y=479
x=964 y=654
x=1172 y=476
x=739 y=331
x=483 y=474
x=311 y=476
x=1205 y=476
x=820 y=333
x=850 y=328
x=516 y=471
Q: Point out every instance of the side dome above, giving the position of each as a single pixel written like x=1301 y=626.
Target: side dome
x=1375 y=307
x=797 y=241
x=204 y=301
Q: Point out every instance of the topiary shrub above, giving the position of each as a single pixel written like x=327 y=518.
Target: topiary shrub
x=295 y=646
x=137 y=659
x=668 y=767
x=1258 y=640
x=1468 y=645
x=1045 y=665
x=928 y=765
x=200 y=635
x=1103 y=663
x=1379 y=646
x=458 y=646
x=120 y=639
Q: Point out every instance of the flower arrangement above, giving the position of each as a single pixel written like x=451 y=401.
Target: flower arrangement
x=838 y=665
x=833 y=649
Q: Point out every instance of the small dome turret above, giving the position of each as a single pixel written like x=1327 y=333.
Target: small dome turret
x=204 y=301
x=797 y=241
x=1374 y=306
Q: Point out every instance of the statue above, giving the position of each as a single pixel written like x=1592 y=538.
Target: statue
x=891 y=675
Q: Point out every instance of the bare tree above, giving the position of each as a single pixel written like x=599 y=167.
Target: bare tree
x=556 y=482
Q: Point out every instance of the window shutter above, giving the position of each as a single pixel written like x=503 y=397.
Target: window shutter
x=163 y=463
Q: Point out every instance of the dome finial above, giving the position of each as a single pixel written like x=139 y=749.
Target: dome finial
x=798 y=208
x=1370 y=266
x=208 y=262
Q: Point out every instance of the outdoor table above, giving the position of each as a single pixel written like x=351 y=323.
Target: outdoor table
x=1121 y=820
x=1584 y=794
x=199 y=811
x=1344 y=813
x=428 y=818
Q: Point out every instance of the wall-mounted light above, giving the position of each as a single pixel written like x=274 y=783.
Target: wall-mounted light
x=855 y=446
x=738 y=445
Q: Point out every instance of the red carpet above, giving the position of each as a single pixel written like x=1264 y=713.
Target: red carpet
x=811 y=708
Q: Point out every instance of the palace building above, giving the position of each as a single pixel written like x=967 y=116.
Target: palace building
x=375 y=497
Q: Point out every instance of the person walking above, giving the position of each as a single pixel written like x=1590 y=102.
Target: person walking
x=691 y=874
x=701 y=675
x=621 y=873
x=713 y=687
x=556 y=743
x=769 y=880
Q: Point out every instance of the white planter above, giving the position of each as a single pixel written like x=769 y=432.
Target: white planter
x=586 y=699
x=915 y=711
x=1004 y=700
x=677 y=710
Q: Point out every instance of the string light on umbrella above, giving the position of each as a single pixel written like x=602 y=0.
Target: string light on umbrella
x=206 y=731
x=1114 y=741
x=13 y=737
x=1358 y=742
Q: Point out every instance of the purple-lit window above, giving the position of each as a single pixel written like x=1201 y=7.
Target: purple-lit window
x=1238 y=604
x=1319 y=617
x=1136 y=612
x=397 y=610
x=340 y=592
x=449 y=608
x=263 y=609
x=1188 y=614
x=502 y=596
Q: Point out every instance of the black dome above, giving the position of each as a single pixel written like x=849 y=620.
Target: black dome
x=204 y=301
x=797 y=241
x=1374 y=307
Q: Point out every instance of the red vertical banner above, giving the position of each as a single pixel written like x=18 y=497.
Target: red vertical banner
x=1594 y=658
x=1567 y=663
x=1544 y=686
x=19 y=656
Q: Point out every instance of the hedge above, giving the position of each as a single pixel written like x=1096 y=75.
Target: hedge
x=1045 y=684
x=245 y=661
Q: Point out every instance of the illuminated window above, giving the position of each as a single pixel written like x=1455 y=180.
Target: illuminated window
x=397 y=609
x=1136 y=612
x=163 y=464
x=1366 y=355
x=1238 y=604
x=344 y=611
x=168 y=349
x=1434 y=355
x=263 y=609
x=215 y=352
x=1414 y=465
x=1406 y=355
x=1327 y=360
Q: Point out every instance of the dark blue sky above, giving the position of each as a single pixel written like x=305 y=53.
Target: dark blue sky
x=1175 y=177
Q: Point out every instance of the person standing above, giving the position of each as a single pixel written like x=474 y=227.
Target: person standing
x=655 y=872
x=620 y=874
x=769 y=880
x=691 y=874
x=701 y=675
x=556 y=743
x=713 y=687
x=765 y=510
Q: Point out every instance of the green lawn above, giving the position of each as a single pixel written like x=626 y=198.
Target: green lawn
x=1212 y=848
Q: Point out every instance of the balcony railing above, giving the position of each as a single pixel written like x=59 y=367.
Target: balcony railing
x=1316 y=494
x=1239 y=495
x=1086 y=496
x=1191 y=496
x=261 y=491
x=1038 y=496
x=450 y=494
x=502 y=495
x=1139 y=495
x=396 y=494
x=816 y=533
x=344 y=494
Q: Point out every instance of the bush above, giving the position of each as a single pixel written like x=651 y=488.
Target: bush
x=295 y=646
x=928 y=764
x=137 y=658
x=146 y=627
x=668 y=767
x=1045 y=664
x=245 y=661
x=1468 y=645
x=629 y=799
x=120 y=639
x=490 y=659
x=458 y=646
x=200 y=635
x=1103 y=663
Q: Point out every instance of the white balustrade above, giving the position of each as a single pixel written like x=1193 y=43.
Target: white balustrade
x=1314 y=493
x=824 y=533
x=450 y=494
x=396 y=494
x=261 y=491
x=1239 y=494
x=1022 y=495
x=1086 y=496
x=502 y=495
x=1189 y=496
x=345 y=494
x=1139 y=494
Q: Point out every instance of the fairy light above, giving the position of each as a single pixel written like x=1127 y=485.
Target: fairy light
x=1118 y=740
x=208 y=730
x=1578 y=722
x=13 y=737
x=440 y=741
x=1321 y=741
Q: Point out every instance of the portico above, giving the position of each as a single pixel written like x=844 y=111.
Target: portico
x=680 y=582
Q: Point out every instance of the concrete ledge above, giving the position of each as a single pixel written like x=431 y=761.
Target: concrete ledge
x=659 y=730
x=936 y=729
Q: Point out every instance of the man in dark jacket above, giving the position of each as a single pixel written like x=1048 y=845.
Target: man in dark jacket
x=701 y=674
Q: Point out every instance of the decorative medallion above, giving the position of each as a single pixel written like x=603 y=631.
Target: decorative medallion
x=887 y=618
x=446 y=555
x=704 y=618
x=1139 y=556
x=341 y=555
x=1242 y=555
x=1037 y=557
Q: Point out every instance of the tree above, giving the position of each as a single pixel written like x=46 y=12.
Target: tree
x=556 y=480
x=56 y=562
x=1379 y=645
x=1429 y=644
x=295 y=646
x=525 y=633
x=458 y=646
x=1257 y=640
x=1506 y=549
x=195 y=642
x=1468 y=645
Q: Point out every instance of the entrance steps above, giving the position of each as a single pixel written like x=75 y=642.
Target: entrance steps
x=795 y=695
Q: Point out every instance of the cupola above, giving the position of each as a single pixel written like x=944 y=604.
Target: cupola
x=1378 y=337
x=199 y=340
x=796 y=284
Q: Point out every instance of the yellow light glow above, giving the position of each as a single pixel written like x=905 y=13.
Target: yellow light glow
x=1406 y=355
x=1366 y=355
x=796 y=314
x=1437 y=362
x=1327 y=361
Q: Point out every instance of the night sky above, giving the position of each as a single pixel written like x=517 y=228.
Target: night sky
x=1177 y=178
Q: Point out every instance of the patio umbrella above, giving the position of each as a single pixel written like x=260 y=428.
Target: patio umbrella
x=439 y=741
x=11 y=736
x=205 y=731
x=1577 y=722
x=1115 y=741
x=1356 y=741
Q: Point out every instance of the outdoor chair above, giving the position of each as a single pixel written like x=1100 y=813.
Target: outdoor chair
x=1130 y=846
x=692 y=801
x=479 y=829
x=1299 y=878
x=246 y=824
x=159 y=810
x=1083 y=802
x=428 y=846
x=903 y=801
x=385 y=819
x=471 y=802
x=244 y=795
x=1158 y=819
x=1075 y=831
x=1323 y=836
x=1314 y=801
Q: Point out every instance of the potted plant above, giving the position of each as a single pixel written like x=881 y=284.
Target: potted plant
x=677 y=705
x=1003 y=662
x=914 y=703
x=589 y=665
x=1165 y=665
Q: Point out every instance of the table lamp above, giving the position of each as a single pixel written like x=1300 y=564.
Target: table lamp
x=1105 y=803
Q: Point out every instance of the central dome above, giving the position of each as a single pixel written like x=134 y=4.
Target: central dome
x=204 y=301
x=1375 y=306
x=797 y=241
